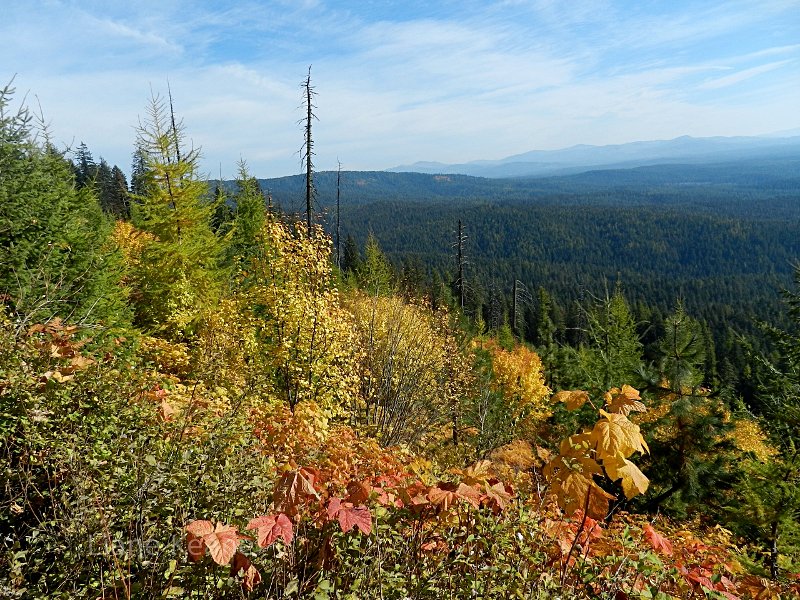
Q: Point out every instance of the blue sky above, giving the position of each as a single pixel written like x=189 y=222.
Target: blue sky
x=404 y=81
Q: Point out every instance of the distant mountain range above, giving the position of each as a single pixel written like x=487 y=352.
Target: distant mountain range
x=582 y=158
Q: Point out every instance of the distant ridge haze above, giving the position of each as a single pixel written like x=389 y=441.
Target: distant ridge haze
x=576 y=159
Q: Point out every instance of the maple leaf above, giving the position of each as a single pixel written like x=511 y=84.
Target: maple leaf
x=477 y=473
x=442 y=495
x=633 y=480
x=358 y=492
x=624 y=401
x=614 y=434
x=572 y=399
x=498 y=496
x=360 y=517
x=574 y=491
x=272 y=527
x=221 y=541
x=250 y=575
x=469 y=494
x=543 y=453
x=657 y=541
x=292 y=490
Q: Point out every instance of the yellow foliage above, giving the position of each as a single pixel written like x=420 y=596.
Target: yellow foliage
x=604 y=450
x=171 y=358
x=409 y=371
x=518 y=377
x=748 y=436
x=305 y=339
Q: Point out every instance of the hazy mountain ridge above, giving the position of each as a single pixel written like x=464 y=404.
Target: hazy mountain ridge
x=582 y=158
x=780 y=175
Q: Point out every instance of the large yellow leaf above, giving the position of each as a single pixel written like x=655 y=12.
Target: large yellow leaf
x=614 y=434
x=633 y=480
x=624 y=401
x=576 y=491
x=572 y=399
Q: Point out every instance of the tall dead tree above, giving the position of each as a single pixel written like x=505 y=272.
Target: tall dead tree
x=308 y=148
x=520 y=296
x=460 y=284
x=338 y=194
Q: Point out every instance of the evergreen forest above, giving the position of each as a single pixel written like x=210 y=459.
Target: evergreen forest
x=393 y=385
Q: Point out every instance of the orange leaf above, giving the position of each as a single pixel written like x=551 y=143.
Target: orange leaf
x=250 y=575
x=624 y=401
x=292 y=490
x=221 y=541
x=443 y=496
x=272 y=527
x=498 y=496
x=469 y=494
x=658 y=542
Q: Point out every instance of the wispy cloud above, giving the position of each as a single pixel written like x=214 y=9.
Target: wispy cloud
x=743 y=75
x=454 y=80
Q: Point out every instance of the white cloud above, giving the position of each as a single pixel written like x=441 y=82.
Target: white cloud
x=743 y=75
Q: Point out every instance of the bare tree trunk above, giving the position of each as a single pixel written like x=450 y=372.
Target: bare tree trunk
x=338 y=190
x=309 y=150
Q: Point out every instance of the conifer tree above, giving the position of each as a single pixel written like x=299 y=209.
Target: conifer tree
x=613 y=355
x=375 y=274
x=55 y=255
x=249 y=217
x=351 y=256
x=689 y=444
x=767 y=508
x=177 y=274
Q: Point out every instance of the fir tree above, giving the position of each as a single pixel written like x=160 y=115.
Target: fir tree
x=55 y=255
x=249 y=217
x=613 y=355
x=375 y=274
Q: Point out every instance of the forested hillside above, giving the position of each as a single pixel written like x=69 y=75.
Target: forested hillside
x=721 y=237
x=201 y=397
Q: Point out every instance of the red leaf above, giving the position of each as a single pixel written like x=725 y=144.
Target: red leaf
x=272 y=527
x=292 y=490
x=334 y=506
x=658 y=542
x=356 y=517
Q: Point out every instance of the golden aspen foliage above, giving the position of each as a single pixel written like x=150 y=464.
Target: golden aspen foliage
x=407 y=383
x=304 y=337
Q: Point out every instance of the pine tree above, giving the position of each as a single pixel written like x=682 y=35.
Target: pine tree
x=690 y=447
x=177 y=273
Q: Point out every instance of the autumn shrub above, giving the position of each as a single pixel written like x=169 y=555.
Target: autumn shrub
x=95 y=481
x=405 y=388
x=304 y=338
